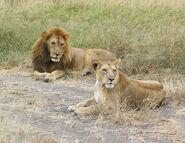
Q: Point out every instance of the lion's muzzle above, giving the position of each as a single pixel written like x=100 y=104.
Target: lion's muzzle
x=55 y=58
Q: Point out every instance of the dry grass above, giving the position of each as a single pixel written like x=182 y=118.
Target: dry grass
x=11 y=130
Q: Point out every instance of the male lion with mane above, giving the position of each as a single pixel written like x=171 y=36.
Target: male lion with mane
x=52 y=55
x=113 y=88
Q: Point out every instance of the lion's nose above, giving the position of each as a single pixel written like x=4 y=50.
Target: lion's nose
x=111 y=79
x=56 y=54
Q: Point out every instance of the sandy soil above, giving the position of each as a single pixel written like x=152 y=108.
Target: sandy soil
x=30 y=108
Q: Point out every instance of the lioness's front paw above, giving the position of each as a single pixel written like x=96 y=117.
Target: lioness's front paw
x=71 y=108
x=81 y=112
x=49 y=78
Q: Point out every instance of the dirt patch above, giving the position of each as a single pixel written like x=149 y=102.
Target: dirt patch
x=30 y=108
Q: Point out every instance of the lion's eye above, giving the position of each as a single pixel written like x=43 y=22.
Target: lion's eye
x=114 y=70
x=62 y=44
x=104 y=70
x=53 y=43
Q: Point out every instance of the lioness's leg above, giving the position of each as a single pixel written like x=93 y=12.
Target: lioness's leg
x=93 y=109
x=38 y=75
x=54 y=75
x=85 y=103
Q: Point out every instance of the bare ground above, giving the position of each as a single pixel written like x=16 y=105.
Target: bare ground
x=30 y=108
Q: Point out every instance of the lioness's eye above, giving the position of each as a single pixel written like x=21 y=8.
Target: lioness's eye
x=114 y=70
x=104 y=70
x=62 y=44
x=53 y=43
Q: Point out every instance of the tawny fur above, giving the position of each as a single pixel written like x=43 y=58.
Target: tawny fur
x=123 y=90
x=71 y=59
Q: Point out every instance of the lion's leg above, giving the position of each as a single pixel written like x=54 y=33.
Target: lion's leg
x=38 y=75
x=157 y=99
x=85 y=103
x=54 y=75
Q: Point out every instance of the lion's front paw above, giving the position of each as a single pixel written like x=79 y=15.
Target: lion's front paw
x=86 y=72
x=49 y=78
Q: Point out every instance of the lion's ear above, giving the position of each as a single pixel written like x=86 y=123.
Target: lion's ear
x=66 y=36
x=43 y=35
x=95 y=64
x=117 y=63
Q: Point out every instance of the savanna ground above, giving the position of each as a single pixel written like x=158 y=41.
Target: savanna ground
x=149 y=37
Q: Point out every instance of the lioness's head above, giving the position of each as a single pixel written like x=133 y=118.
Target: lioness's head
x=55 y=43
x=107 y=73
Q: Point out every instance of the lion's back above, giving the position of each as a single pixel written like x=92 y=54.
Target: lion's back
x=98 y=54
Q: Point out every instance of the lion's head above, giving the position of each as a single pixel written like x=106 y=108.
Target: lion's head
x=107 y=73
x=56 y=45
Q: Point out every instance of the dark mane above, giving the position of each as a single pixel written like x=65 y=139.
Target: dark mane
x=41 y=57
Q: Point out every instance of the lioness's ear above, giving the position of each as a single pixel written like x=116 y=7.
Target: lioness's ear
x=117 y=63
x=43 y=35
x=95 y=64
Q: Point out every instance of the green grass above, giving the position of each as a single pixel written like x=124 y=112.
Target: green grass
x=149 y=37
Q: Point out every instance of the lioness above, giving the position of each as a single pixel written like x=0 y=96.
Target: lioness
x=113 y=87
x=52 y=55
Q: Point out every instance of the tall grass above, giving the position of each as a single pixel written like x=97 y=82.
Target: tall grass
x=147 y=36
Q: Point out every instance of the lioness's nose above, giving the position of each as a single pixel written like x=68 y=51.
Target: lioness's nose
x=111 y=79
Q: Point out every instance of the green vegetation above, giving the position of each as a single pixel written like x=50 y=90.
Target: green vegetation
x=149 y=37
